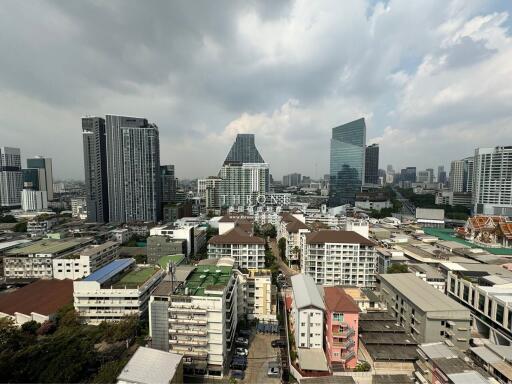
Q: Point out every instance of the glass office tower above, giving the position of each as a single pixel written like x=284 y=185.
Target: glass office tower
x=347 y=162
x=244 y=150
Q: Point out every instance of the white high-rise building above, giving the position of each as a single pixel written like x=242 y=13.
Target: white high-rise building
x=339 y=258
x=492 y=184
x=11 y=177
x=242 y=183
x=34 y=200
x=461 y=175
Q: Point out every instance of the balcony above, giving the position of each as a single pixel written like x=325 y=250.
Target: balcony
x=345 y=333
x=188 y=321
x=187 y=310
x=185 y=331
x=194 y=342
x=347 y=356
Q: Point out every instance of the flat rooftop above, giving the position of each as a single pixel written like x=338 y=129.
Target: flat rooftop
x=206 y=277
x=93 y=249
x=165 y=260
x=46 y=246
x=423 y=295
x=136 y=277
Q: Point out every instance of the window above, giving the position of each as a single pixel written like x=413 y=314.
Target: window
x=338 y=317
x=481 y=302
x=499 y=313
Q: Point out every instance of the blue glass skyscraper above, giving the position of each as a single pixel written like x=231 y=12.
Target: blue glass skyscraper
x=347 y=162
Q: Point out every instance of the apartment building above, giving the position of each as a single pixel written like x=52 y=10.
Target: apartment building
x=486 y=290
x=159 y=246
x=339 y=258
x=341 y=329
x=247 y=250
x=81 y=264
x=257 y=297
x=421 y=309
x=194 y=236
x=430 y=275
x=291 y=229
x=35 y=260
x=120 y=288
x=196 y=315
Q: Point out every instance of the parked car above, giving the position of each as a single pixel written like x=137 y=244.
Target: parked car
x=278 y=343
x=244 y=333
x=242 y=341
x=241 y=351
x=273 y=372
x=239 y=359
x=237 y=374
x=238 y=366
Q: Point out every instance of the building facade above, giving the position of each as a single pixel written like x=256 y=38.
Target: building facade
x=95 y=169
x=120 y=288
x=33 y=200
x=347 y=162
x=461 y=175
x=11 y=177
x=169 y=183
x=425 y=312
x=133 y=169
x=45 y=175
x=492 y=184
x=371 y=167
x=339 y=258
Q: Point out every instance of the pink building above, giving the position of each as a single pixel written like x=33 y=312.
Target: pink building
x=341 y=325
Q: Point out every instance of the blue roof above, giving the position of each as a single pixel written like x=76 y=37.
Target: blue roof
x=110 y=270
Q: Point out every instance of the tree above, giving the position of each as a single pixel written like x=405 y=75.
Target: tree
x=141 y=259
x=397 y=268
x=296 y=252
x=108 y=372
x=281 y=244
x=7 y=219
x=21 y=227
x=363 y=367
x=269 y=230
x=30 y=327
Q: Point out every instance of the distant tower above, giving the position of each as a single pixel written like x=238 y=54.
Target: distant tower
x=45 y=174
x=244 y=150
x=371 y=168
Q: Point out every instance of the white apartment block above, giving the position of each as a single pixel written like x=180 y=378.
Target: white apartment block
x=196 y=316
x=35 y=260
x=256 y=295
x=121 y=288
x=121 y=235
x=492 y=182
x=339 y=258
x=38 y=227
x=83 y=263
x=307 y=314
x=292 y=228
x=247 y=250
x=243 y=183
x=79 y=208
x=195 y=237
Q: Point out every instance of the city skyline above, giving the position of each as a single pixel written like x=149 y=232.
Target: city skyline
x=202 y=83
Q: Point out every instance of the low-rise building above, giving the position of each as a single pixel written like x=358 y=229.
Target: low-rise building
x=193 y=234
x=430 y=275
x=341 y=329
x=40 y=227
x=494 y=359
x=339 y=258
x=119 y=289
x=195 y=314
x=427 y=217
x=84 y=262
x=256 y=294
x=121 y=235
x=38 y=301
x=291 y=229
x=35 y=260
x=388 y=257
x=151 y=366
x=159 y=246
x=487 y=291
x=424 y=311
x=247 y=250
x=79 y=207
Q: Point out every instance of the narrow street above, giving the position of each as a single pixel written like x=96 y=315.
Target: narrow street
x=285 y=269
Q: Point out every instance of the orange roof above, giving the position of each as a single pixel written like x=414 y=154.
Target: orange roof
x=506 y=229
x=337 y=300
x=236 y=236
x=480 y=222
x=341 y=237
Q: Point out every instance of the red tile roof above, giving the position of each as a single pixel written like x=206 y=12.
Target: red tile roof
x=336 y=300
x=44 y=297
x=342 y=237
x=506 y=229
x=236 y=236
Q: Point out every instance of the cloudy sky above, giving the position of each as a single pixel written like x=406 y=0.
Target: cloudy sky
x=432 y=78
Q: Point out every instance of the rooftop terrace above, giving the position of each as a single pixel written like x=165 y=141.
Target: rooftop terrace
x=207 y=277
x=136 y=277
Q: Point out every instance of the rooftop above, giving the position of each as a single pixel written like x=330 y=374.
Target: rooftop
x=312 y=359
x=46 y=246
x=151 y=366
x=93 y=249
x=43 y=296
x=437 y=350
x=423 y=295
x=305 y=292
x=236 y=236
x=110 y=270
x=336 y=300
x=340 y=237
x=205 y=278
x=136 y=277
x=165 y=260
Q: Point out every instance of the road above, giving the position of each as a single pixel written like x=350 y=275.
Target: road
x=408 y=208
x=285 y=269
x=260 y=354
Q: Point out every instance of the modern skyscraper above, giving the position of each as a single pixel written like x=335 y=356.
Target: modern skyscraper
x=461 y=175
x=45 y=175
x=95 y=167
x=441 y=175
x=408 y=174
x=11 y=177
x=169 y=183
x=31 y=178
x=347 y=162
x=32 y=200
x=244 y=150
x=430 y=172
x=371 y=168
x=133 y=169
x=492 y=188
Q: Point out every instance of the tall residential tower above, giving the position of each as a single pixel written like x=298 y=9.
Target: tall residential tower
x=11 y=177
x=95 y=167
x=371 y=168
